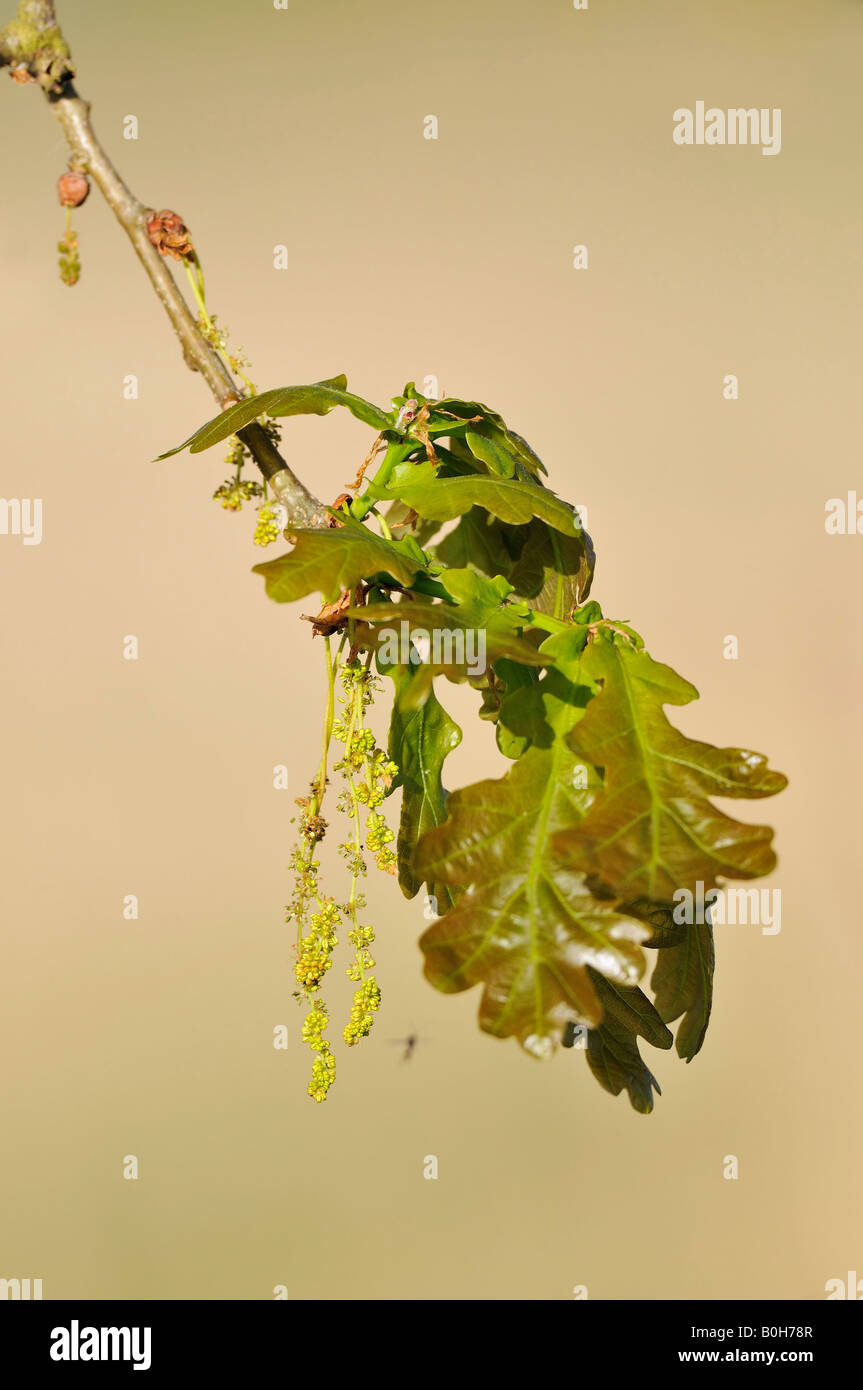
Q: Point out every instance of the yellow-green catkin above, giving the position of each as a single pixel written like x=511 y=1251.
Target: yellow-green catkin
x=367 y=773
x=367 y=999
x=366 y=769
x=314 y=957
x=317 y=939
x=70 y=261
x=324 y=1064
x=233 y=492
x=272 y=519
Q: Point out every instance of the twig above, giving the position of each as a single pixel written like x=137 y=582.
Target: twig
x=34 y=48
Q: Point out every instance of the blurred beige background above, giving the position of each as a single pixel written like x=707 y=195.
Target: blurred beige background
x=154 y=777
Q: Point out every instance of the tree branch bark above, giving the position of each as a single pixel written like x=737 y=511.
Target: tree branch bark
x=34 y=45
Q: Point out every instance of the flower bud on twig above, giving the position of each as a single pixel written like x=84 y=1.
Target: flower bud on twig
x=170 y=235
x=72 y=188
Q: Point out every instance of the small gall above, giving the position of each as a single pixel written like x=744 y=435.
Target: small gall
x=72 y=189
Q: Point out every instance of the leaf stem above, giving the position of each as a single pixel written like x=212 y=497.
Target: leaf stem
x=382 y=522
x=397 y=451
x=546 y=622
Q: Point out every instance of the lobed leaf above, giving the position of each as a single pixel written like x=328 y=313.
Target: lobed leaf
x=682 y=983
x=612 y=1048
x=553 y=570
x=317 y=399
x=495 y=455
x=653 y=830
x=447 y=413
x=526 y=927
x=478 y=541
x=443 y=499
x=540 y=711
x=334 y=559
x=420 y=739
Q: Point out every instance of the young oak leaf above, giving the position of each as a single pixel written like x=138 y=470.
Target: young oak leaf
x=653 y=830
x=442 y=499
x=420 y=739
x=525 y=927
x=682 y=980
x=491 y=452
x=477 y=540
x=451 y=413
x=541 y=711
x=500 y=687
x=553 y=571
x=682 y=983
x=330 y=560
x=612 y=1048
x=317 y=399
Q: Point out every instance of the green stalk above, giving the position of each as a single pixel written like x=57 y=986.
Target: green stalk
x=320 y=783
x=382 y=522
x=328 y=723
x=548 y=624
x=397 y=451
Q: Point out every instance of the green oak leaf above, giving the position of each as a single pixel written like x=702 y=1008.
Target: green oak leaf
x=479 y=541
x=653 y=830
x=451 y=413
x=330 y=560
x=540 y=711
x=420 y=739
x=506 y=678
x=612 y=1048
x=553 y=571
x=317 y=399
x=483 y=595
x=443 y=499
x=495 y=455
x=682 y=983
x=525 y=927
